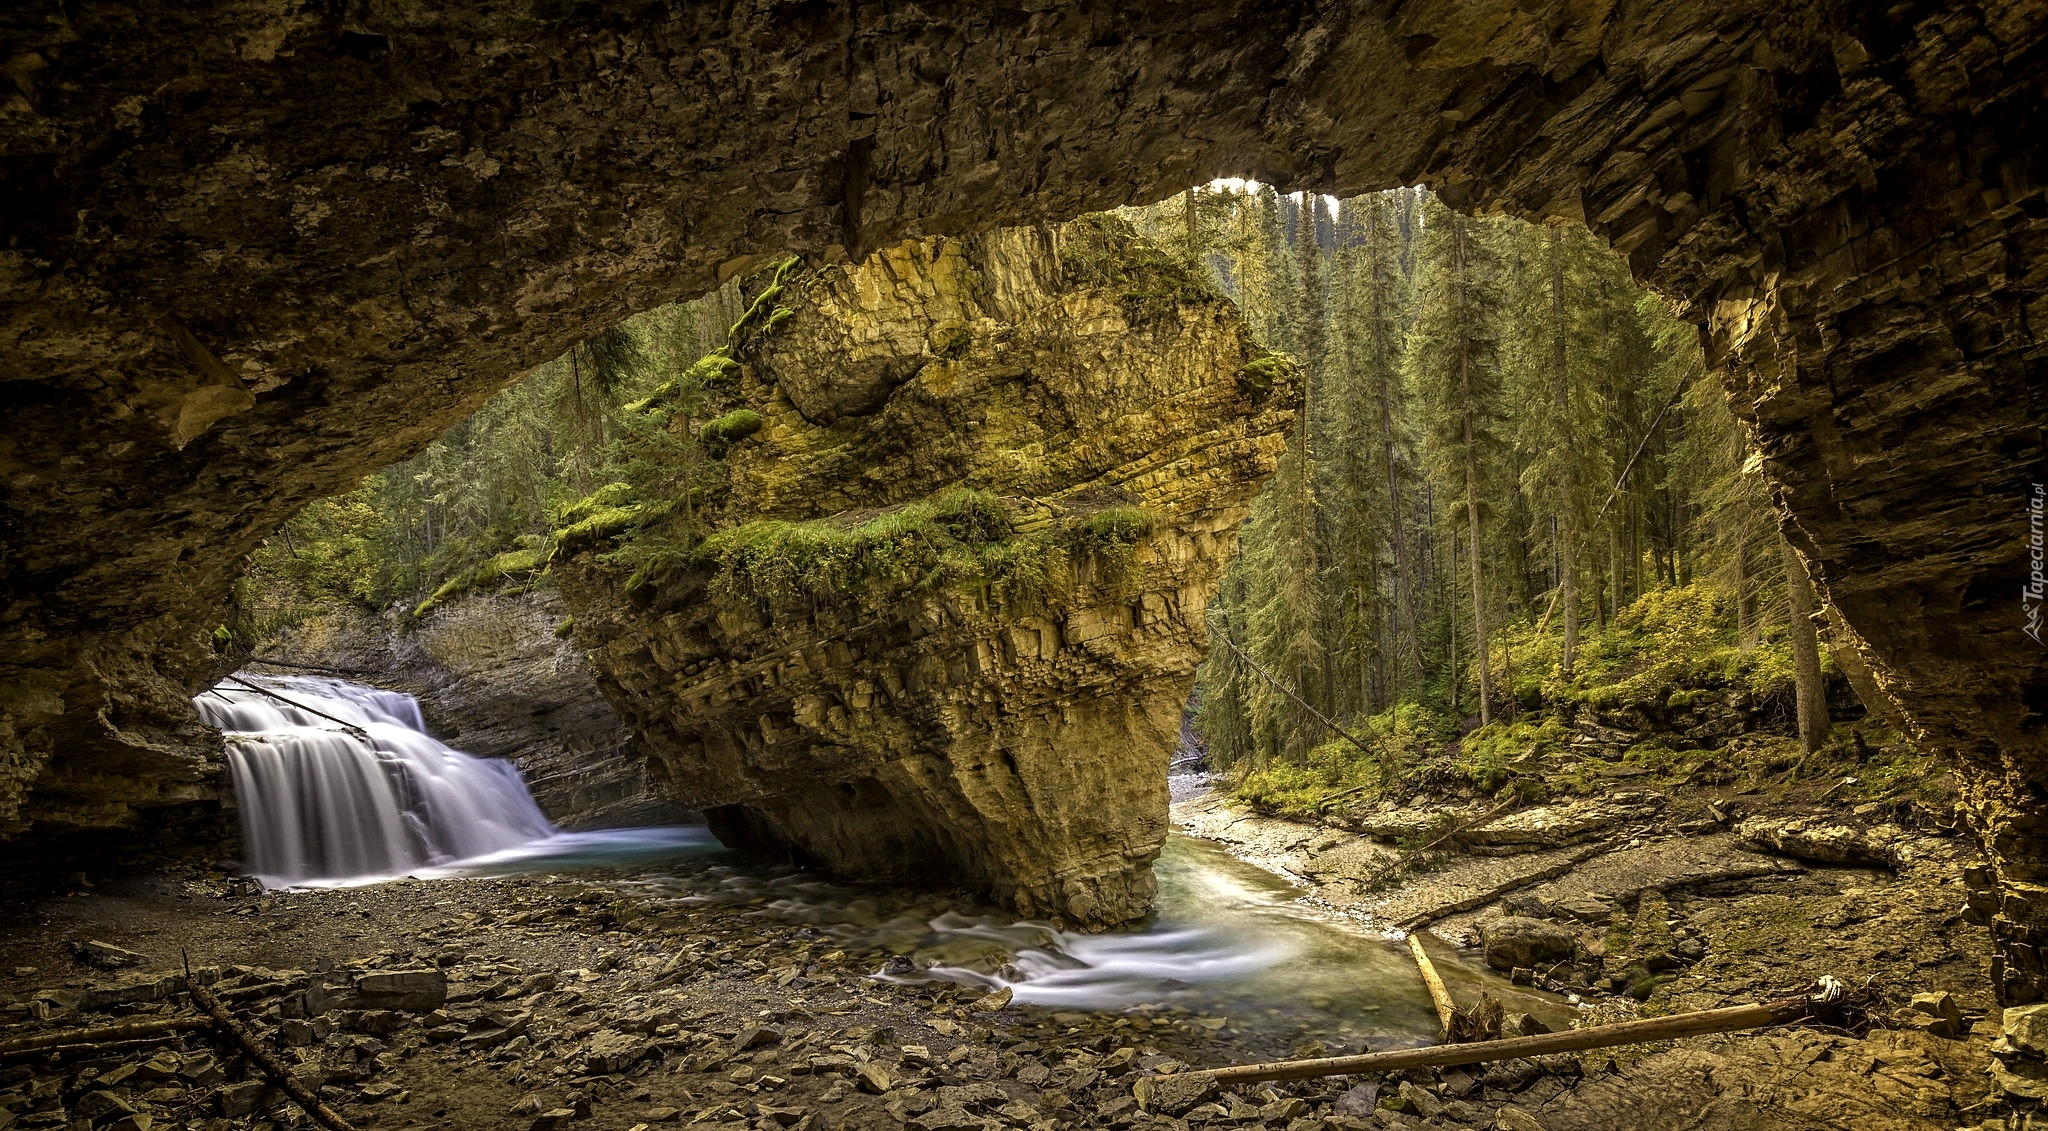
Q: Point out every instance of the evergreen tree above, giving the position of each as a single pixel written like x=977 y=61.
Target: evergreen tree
x=1453 y=363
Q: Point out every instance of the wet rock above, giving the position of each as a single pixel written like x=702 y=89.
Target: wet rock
x=1359 y=1100
x=1518 y=941
x=1174 y=1095
x=1822 y=841
x=994 y=1002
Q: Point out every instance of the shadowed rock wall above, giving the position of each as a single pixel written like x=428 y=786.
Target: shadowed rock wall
x=255 y=249
x=1006 y=725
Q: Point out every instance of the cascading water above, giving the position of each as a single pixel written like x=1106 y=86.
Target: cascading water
x=340 y=783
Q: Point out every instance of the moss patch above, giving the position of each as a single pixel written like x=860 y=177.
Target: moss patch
x=525 y=566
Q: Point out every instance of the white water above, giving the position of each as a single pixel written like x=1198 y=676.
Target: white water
x=326 y=805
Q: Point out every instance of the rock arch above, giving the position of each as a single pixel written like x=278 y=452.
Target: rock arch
x=254 y=249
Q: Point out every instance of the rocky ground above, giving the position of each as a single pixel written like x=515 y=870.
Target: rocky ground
x=1664 y=897
x=603 y=1002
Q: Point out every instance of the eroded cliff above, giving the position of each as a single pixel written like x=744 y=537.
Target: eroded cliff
x=952 y=601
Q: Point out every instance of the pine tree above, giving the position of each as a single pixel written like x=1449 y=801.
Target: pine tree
x=1453 y=361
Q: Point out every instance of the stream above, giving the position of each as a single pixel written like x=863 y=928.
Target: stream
x=339 y=785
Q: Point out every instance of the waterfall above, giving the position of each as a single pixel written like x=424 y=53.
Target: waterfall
x=321 y=802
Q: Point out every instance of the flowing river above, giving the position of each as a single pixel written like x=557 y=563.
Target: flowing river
x=338 y=784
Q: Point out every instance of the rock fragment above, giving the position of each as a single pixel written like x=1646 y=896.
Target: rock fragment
x=1517 y=940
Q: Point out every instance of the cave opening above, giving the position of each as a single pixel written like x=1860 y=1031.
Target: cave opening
x=252 y=256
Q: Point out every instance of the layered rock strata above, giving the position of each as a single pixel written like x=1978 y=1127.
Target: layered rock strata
x=254 y=251
x=1078 y=431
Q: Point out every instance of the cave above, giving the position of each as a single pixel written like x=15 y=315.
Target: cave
x=253 y=252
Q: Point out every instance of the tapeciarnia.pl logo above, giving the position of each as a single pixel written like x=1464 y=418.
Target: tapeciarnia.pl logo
x=2036 y=588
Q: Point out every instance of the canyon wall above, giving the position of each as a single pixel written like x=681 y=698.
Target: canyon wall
x=952 y=602
x=255 y=249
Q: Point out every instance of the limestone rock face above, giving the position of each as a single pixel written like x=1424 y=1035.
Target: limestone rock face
x=1010 y=737
x=254 y=251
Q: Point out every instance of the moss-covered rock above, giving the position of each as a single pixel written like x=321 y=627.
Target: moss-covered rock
x=941 y=614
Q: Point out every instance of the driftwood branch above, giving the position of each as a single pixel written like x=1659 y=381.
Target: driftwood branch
x=353 y=728
x=69 y=1039
x=1446 y=1009
x=275 y=663
x=1281 y=686
x=1401 y=861
x=1576 y=1040
x=272 y=1067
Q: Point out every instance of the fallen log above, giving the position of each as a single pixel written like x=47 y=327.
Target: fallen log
x=1725 y=1020
x=1446 y=1009
x=68 y=1039
x=303 y=1096
x=259 y=689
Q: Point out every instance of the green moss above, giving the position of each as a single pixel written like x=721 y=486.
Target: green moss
x=524 y=565
x=765 y=313
x=729 y=429
x=958 y=538
x=1258 y=376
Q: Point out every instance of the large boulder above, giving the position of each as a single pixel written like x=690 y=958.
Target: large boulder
x=1068 y=413
x=1517 y=940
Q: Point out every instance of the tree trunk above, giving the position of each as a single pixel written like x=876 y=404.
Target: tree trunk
x=1456 y=679
x=1811 y=692
x=1748 y=629
x=1383 y=363
x=1472 y=484
x=1567 y=568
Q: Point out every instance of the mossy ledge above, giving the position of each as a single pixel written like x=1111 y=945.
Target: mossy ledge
x=935 y=618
